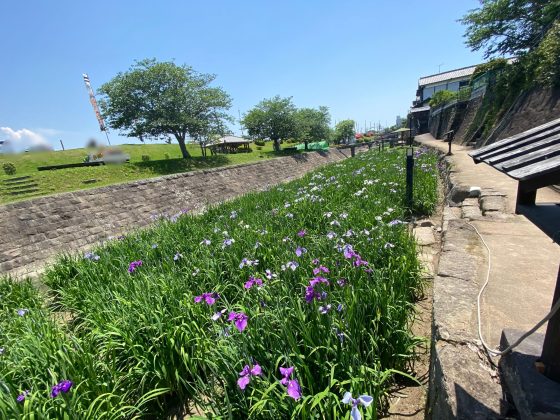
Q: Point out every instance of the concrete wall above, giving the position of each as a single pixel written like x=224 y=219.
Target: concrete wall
x=33 y=231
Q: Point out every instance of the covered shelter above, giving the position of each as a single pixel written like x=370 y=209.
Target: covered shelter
x=531 y=157
x=229 y=144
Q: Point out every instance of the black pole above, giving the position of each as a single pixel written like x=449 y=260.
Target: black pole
x=550 y=354
x=409 y=176
x=352 y=151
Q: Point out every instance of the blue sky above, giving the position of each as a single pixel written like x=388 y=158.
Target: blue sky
x=362 y=59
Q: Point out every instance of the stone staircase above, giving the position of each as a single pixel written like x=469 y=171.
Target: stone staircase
x=20 y=186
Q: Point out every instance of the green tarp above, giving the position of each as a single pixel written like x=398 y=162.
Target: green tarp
x=319 y=145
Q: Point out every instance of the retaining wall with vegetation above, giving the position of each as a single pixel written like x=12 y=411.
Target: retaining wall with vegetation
x=33 y=231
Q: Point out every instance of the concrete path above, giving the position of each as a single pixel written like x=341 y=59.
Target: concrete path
x=525 y=260
x=464 y=383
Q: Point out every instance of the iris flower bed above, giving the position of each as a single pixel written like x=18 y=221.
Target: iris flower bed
x=293 y=302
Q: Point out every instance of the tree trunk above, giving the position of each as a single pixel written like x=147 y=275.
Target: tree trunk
x=183 y=147
x=306 y=142
x=276 y=145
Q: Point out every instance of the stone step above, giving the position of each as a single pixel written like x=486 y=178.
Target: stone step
x=28 y=184
x=22 y=192
x=16 y=179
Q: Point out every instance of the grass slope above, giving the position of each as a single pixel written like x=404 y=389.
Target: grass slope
x=338 y=277
x=72 y=179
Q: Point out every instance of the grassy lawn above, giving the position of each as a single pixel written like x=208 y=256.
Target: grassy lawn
x=72 y=179
x=270 y=306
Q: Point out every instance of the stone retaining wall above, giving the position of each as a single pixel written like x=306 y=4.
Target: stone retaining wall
x=33 y=231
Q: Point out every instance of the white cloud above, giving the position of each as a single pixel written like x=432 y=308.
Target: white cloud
x=20 y=140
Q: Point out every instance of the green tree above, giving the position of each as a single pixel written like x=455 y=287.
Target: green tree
x=313 y=124
x=273 y=118
x=161 y=99
x=344 y=131
x=509 y=27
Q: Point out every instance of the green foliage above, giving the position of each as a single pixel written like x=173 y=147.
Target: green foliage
x=9 y=168
x=161 y=99
x=509 y=27
x=259 y=142
x=313 y=124
x=442 y=97
x=166 y=156
x=273 y=118
x=344 y=131
x=137 y=345
x=495 y=65
x=145 y=158
x=547 y=60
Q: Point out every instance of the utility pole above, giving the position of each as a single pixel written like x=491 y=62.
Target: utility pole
x=62 y=144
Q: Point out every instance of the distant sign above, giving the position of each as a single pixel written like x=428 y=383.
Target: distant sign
x=94 y=103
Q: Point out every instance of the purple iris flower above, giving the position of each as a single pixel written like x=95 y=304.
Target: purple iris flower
x=341 y=282
x=292 y=385
x=301 y=233
x=154 y=246
x=253 y=281
x=331 y=235
x=177 y=256
x=394 y=222
x=22 y=312
x=246 y=373
x=2 y=351
x=325 y=309
x=300 y=251
x=218 y=314
x=21 y=397
x=320 y=269
x=269 y=274
x=363 y=400
x=247 y=262
x=91 y=256
x=388 y=245
x=209 y=298
x=240 y=320
x=227 y=242
x=205 y=242
x=316 y=280
x=291 y=265
x=63 y=386
x=134 y=265
x=348 y=251
x=233 y=215
x=340 y=307
x=358 y=261
x=315 y=261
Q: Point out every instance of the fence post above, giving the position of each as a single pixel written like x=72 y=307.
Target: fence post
x=409 y=176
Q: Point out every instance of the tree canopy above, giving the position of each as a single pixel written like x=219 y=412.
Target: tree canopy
x=509 y=27
x=313 y=124
x=273 y=118
x=161 y=99
x=344 y=131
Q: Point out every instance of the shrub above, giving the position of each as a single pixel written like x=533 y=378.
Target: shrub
x=258 y=147
x=145 y=158
x=9 y=168
x=259 y=142
x=166 y=155
x=442 y=97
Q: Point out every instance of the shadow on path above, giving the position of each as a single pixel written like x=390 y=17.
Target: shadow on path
x=546 y=216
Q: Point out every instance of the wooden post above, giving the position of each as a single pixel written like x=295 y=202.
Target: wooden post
x=551 y=346
x=352 y=151
x=525 y=196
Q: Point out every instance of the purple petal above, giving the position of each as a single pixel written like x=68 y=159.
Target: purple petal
x=347 y=398
x=241 y=322
x=232 y=316
x=294 y=390
x=256 y=370
x=198 y=299
x=355 y=413
x=210 y=300
x=365 y=400
x=243 y=381
x=286 y=372
x=246 y=370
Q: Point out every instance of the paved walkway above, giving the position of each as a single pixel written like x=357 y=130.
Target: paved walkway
x=525 y=260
